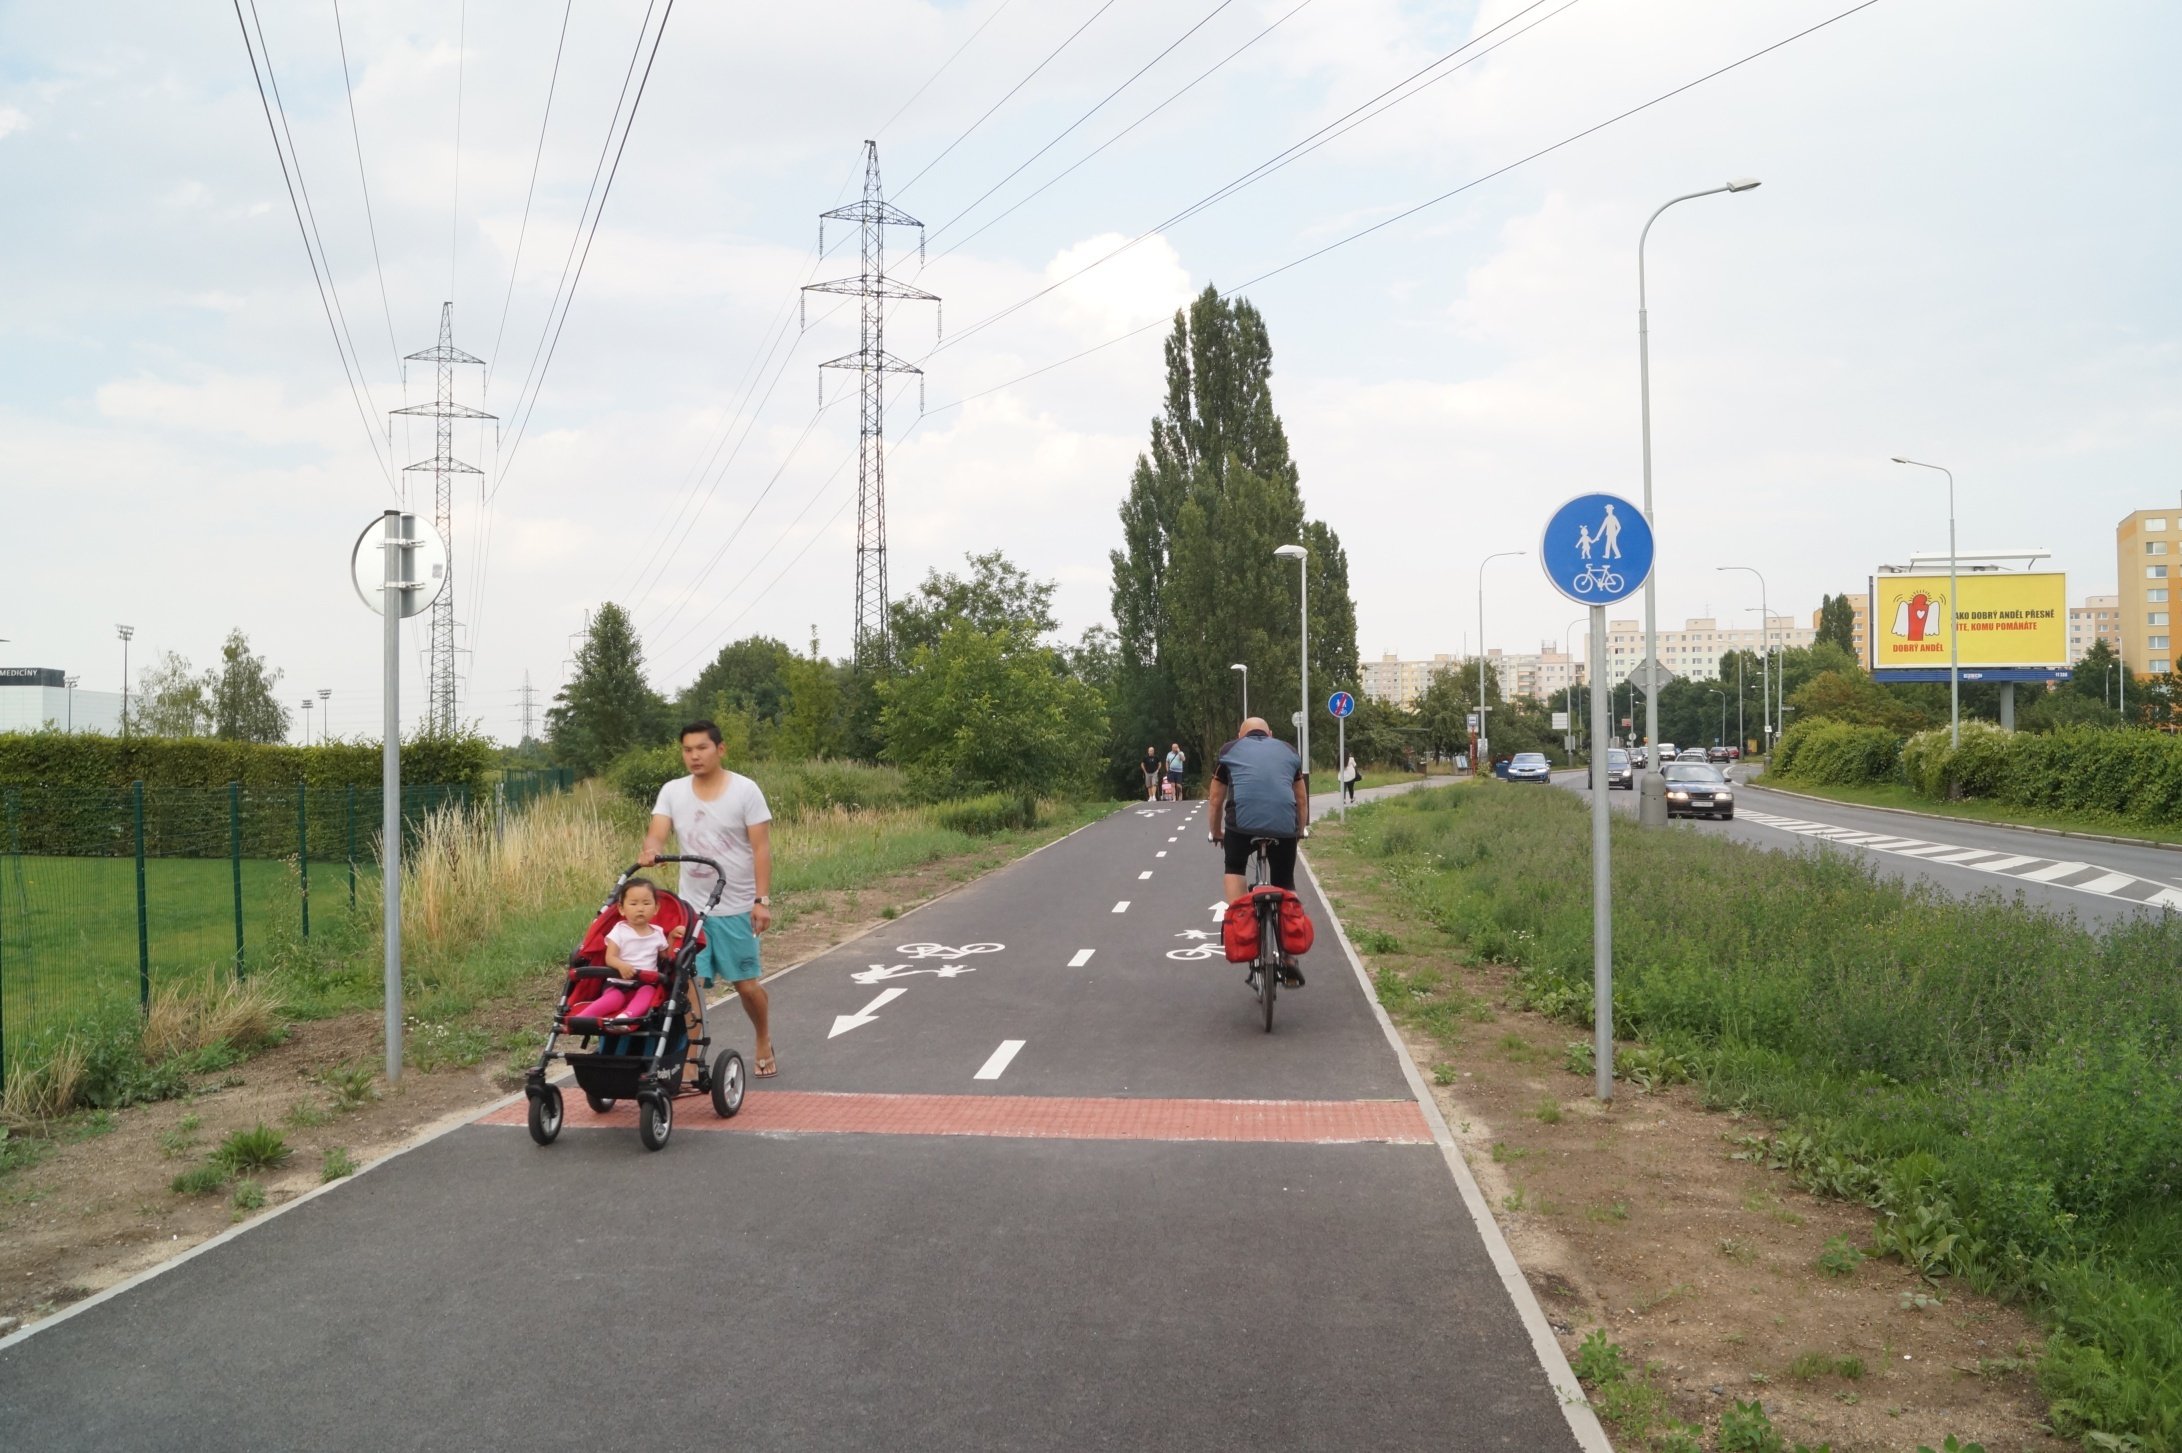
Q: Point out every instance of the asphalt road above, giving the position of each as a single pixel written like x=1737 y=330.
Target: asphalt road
x=1026 y=1180
x=2098 y=883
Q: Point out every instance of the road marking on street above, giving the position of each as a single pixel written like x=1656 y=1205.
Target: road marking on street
x=2006 y=865
x=1122 y=906
x=998 y=1064
x=2052 y=871
x=843 y=1023
x=2104 y=883
x=1143 y=875
x=1966 y=855
x=1083 y=956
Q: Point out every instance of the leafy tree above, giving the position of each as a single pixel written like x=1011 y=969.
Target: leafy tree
x=172 y=700
x=2095 y=675
x=244 y=708
x=1443 y=711
x=1195 y=585
x=1851 y=696
x=812 y=728
x=1837 y=622
x=992 y=711
x=994 y=594
x=607 y=706
x=749 y=675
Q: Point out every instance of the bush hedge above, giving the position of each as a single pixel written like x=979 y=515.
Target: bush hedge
x=1837 y=753
x=84 y=760
x=993 y=812
x=792 y=789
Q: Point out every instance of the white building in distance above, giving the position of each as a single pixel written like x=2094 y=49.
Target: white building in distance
x=38 y=698
x=1693 y=653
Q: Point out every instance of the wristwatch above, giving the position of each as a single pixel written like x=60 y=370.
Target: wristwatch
x=765 y=900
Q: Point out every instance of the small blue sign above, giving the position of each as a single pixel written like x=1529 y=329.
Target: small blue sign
x=1340 y=703
x=1597 y=549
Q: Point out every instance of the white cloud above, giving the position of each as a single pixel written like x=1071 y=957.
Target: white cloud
x=12 y=120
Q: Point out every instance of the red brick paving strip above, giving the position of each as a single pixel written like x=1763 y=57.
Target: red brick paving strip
x=1027 y=1117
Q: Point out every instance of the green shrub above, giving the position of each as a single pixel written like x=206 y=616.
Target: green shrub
x=792 y=789
x=208 y=1179
x=1836 y=753
x=257 y=1148
x=991 y=813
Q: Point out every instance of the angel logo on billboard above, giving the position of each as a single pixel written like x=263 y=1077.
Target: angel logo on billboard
x=1917 y=616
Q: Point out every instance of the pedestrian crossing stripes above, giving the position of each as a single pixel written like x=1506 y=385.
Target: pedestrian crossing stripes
x=2067 y=873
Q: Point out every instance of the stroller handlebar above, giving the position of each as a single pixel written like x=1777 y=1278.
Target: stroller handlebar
x=719 y=874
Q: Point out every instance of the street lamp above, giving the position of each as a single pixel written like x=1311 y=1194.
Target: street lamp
x=1477 y=758
x=1568 y=649
x=325 y=694
x=1245 y=669
x=70 y=682
x=307 y=705
x=1954 y=607
x=125 y=633
x=1765 y=643
x=1644 y=386
x=1723 y=712
x=1302 y=558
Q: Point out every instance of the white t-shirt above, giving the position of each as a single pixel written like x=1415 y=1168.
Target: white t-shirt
x=719 y=830
x=638 y=950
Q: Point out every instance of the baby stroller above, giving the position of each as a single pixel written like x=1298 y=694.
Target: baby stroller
x=648 y=1062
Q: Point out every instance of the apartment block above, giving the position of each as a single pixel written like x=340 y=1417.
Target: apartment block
x=2097 y=619
x=1694 y=652
x=1538 y=674
x=2144 y=562
x=1860 y=606
x=1399 y=683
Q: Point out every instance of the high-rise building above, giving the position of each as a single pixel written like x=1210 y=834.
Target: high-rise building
x=1693 y=653
x=1860 y=633
x=1537 y=675
x=2097 y=619
x=1397 y=682
x=2144 y=563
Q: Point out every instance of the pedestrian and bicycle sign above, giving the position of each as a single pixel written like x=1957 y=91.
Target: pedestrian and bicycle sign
x=1340 y=704
x=1597 y=549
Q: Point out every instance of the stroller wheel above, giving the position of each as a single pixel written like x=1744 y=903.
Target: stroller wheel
x=598 y=1103
x=545 y=1115
x=727 y=1084
x=654 y=1121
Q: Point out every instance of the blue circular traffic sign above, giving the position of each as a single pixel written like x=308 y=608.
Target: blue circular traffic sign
x=1597 y=549
x=1340 y=703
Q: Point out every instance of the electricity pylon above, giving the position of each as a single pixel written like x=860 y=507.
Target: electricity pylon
x=439 y=674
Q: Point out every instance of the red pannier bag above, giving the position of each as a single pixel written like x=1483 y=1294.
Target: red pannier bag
x=1239 y=926
x=1239 y=931
x=1296 y=933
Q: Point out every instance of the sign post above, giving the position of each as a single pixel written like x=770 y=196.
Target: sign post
x=1341 y=704
x=1597 y=550
x=413 y=571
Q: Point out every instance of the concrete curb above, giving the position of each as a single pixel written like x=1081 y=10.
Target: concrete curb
x=451 y=1122
x=2094 y=837
x=1583 y=1422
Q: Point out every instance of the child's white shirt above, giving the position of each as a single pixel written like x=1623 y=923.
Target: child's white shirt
x=638 y=950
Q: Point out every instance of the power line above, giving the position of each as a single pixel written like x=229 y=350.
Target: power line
x=928 y=80
x=1086 y=116
x=552 y=84
x=1019 y=85
x=1266 y=168
x=538 y=372
x=1403 y=215
x=1102 y=146
x=356 y=135
x=454 y=207
x=323 y=281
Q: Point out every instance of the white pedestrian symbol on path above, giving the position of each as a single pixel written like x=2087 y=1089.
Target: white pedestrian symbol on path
x=1609 y=535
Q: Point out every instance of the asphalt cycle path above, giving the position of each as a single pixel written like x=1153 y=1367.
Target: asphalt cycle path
x=2099 y=883
x=1032 y=1176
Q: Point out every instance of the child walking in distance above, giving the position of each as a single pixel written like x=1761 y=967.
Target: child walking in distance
x=633 y=946
x=717 y=814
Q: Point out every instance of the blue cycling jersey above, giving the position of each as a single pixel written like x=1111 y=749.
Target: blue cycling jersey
x=1260 y=772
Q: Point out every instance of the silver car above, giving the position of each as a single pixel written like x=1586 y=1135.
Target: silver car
x=1530 y=767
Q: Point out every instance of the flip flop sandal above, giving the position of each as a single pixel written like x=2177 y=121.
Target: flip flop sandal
x=766 y=1068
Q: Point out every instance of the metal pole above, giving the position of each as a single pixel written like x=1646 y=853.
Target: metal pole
x=1644 y=391
x=1341 y=762
x=1741 y=736
x=234 y=861
x=390 y=783
x=143 y=923
x=1602 y=885
x=1954 y=606
x=1482 y=744
x=303 y=854
x=1303 y=727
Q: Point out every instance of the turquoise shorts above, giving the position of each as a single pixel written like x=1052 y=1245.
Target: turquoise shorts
x=730 y=951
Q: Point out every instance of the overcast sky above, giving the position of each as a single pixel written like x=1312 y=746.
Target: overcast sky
x=1963 y=250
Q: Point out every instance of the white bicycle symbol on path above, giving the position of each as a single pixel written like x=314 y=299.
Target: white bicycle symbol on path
x=1207 y=946
x=950 y=966
x=1597 y=577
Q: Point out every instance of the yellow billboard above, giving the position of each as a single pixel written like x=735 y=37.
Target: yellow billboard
x=2005 y=620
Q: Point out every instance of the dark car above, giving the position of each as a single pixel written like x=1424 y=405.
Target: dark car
x=1530 y=767
x=1717 y=754
x=1698 y=789
x=1620 y=771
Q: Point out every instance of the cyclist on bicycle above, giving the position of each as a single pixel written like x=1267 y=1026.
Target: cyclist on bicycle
x=1258 y=791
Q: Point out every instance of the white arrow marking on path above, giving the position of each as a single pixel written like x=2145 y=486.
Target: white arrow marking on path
x=843 y=1023
x=1083 y=956
x=998 y=1064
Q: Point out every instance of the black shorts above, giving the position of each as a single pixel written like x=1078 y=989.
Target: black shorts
x=1280 y=857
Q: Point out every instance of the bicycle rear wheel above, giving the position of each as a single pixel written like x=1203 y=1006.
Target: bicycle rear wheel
x=1268 y=963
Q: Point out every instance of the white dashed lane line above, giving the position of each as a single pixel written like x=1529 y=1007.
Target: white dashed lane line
x=1083 y=956
x=998 y=1064
x=2057 y=872
x=1143 y=875
x=1122 y=906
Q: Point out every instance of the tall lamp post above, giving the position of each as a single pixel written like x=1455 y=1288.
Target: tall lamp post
x=1568 y=649
x=1477 y=758
x=1245 y=669
x=1765 y=643
x=325 y=694
x=1644 y=387
x=70 y=682
x=308 y=703
x=1723 y=712
x=1302 y=557
x=1954 y=607
x=125 y=632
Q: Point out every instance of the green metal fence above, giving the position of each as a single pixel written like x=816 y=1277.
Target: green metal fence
x=107 y=895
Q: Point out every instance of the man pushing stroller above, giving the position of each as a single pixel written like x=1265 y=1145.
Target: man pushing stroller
x=720 y=815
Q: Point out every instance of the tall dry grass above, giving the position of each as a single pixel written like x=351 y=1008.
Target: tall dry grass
x=189 y=1016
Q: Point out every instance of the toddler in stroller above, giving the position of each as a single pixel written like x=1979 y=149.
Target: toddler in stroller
x=630 y=995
